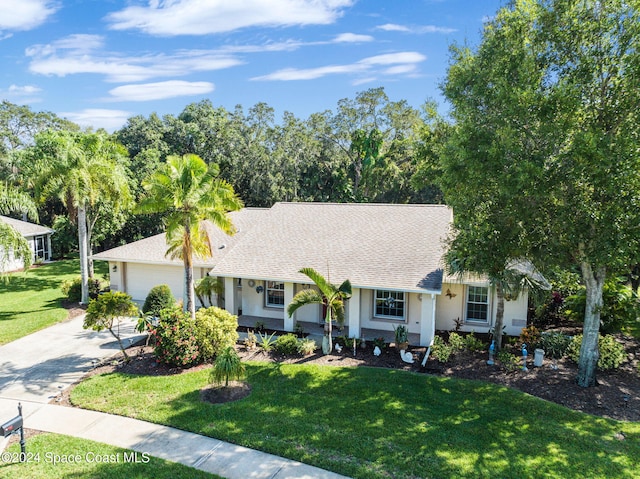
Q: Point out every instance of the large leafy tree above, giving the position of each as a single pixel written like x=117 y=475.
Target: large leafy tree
x=12 y=242
x=84 y=171
x=189 y=192
x=327 y=294
x=547 y=134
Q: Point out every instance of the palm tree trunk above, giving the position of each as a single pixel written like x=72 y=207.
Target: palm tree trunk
x=82 y=246
x=190 y=305
x=328 y=320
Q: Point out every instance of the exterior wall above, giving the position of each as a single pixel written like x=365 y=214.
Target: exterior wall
x=13 y=264
x=450 y=309
x=253 y=303
x=412 y=319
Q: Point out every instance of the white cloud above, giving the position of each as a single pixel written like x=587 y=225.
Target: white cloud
x=160 y=90
x=96 y=118
x=352 y=38
x=82 y=54
x=25 y=94
x=399 y=63
x=418 y=29
x=25 y=14
x=24 y=90
x=198 y=17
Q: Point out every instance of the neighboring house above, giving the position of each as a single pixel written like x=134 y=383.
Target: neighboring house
x=392 y=254
x=38 y=237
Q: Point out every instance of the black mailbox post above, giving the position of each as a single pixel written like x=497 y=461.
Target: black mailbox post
x=13 y=426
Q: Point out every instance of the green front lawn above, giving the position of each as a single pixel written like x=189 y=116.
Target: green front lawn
x=32 y=300
x=49 y=456
x=378 y=423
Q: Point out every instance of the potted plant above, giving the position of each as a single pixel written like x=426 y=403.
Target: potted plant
x=402 y=337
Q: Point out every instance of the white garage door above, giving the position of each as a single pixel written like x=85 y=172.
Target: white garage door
x=142 y=277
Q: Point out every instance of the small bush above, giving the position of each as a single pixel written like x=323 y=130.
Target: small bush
x=530 y=336
x=266 y=341
x=612 y=353
x=298 y=329
x=307 y=346
x=175 y=338
x=456 y=341
x=473 y=344
x=216 y=330
x=159 y=298
x=508 y=360
x=555 y=345
x=440 y=350
x=286 y=344
x=250 y=341
x=227 y=366
x=72 y=289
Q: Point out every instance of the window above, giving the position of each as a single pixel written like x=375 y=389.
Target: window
x=478 y=304
x=389 y=304
x=275 y=294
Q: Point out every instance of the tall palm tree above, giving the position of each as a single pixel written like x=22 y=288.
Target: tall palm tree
x=327 y=294
x=14 y=201
x=189 y=192
x=82 y=170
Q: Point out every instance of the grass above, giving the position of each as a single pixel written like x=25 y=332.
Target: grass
x=94 y=461
x=377 y=423
x=31 y=300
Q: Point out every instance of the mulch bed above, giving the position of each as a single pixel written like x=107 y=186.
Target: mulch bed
x=616 y=396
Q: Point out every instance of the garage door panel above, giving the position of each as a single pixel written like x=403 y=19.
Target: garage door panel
x=140 y=278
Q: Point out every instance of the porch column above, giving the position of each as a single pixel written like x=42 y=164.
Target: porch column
x=288 y=297
x=354 y=314
x=427 y=319
x=230 y=295
x=49 y=252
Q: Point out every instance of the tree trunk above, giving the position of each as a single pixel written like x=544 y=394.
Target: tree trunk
x=328 y=320
x=82 y=246
x=589 y=353
x=90 y=271
x=190 y=304
x=499 y=324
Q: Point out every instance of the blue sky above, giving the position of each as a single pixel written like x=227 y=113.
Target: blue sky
x=99 y=62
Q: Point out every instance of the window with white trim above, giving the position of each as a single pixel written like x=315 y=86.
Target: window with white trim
x=275 y=294
x=389 y=304
x=478 y=304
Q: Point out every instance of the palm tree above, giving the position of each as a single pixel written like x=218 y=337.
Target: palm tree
x=82 y=170
x=14 y=201
x=328 y=294
x=189 y=192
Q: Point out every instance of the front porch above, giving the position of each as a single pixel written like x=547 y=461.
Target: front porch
x=316 y=329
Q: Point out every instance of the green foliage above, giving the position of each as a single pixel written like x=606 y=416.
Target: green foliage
x=401 y=334
x=216 y=330
x=298 y=329
x=250 y=341
x=175 y=338
x=160 y=297
x=612 y=353
x=440 y=350
x=456 y=341
x=306 y=346
x=72 y=289
x=266 y=341
x=530 y=336
x=227 y=366
x=286 y=344
x=508 y=360
x=554 y=344
x=380 y=342
x=621 y=306
x=472 y=343
x=206 y=287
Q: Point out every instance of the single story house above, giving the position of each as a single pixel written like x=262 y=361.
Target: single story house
x=392 y=254
x=38 y=237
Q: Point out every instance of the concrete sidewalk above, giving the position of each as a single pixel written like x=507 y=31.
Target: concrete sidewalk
x=36 y=368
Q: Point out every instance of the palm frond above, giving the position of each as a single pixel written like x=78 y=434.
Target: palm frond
x=304 y=297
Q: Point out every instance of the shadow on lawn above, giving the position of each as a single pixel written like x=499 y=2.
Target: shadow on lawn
x=365 y=422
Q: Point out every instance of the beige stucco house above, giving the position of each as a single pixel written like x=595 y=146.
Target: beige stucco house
x=392 y=254
x=38 y=237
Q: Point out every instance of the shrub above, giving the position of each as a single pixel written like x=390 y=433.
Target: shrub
x=380 y=342
x=530 y=336
x=440 y=350
x=286 y=344
x=471 y=343
x=216 y=330
x=72 y=289
x=508 y=360
x=555 y=345
x=298 y=329
x=306 y=346
x=250 y=341
x=227 y=366
x=266 y=341
x=159 y=298
x=456 y=341
x=175 y=338
x=612 y=353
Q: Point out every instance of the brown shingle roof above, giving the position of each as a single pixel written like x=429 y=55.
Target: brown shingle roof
x=372 y=245
x=153 y=249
